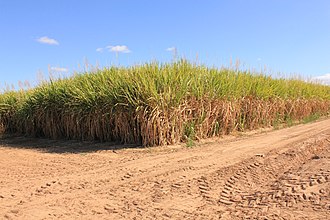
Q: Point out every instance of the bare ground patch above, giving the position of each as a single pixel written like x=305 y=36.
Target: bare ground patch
x=283 y=174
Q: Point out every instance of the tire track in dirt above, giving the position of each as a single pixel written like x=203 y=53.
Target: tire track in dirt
x=281 y=183
x=282 y=174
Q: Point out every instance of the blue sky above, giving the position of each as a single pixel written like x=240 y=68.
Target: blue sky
x=287 y=36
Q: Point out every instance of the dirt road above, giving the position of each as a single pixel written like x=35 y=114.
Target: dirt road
x=282 y=174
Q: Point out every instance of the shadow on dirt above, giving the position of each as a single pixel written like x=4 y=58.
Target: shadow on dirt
x=61 y=146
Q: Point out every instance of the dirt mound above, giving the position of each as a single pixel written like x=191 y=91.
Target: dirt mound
x=283 y=174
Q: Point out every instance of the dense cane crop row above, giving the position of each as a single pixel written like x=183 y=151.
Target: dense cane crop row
x=157 y=104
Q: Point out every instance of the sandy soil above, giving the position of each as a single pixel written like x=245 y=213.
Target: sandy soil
x=282 y=174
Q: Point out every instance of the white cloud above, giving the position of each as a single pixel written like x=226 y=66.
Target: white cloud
x=59 y=69
x=323 y=79
x=100 y=49
x=171 y=49
x=119 y=49
x=47 y=40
